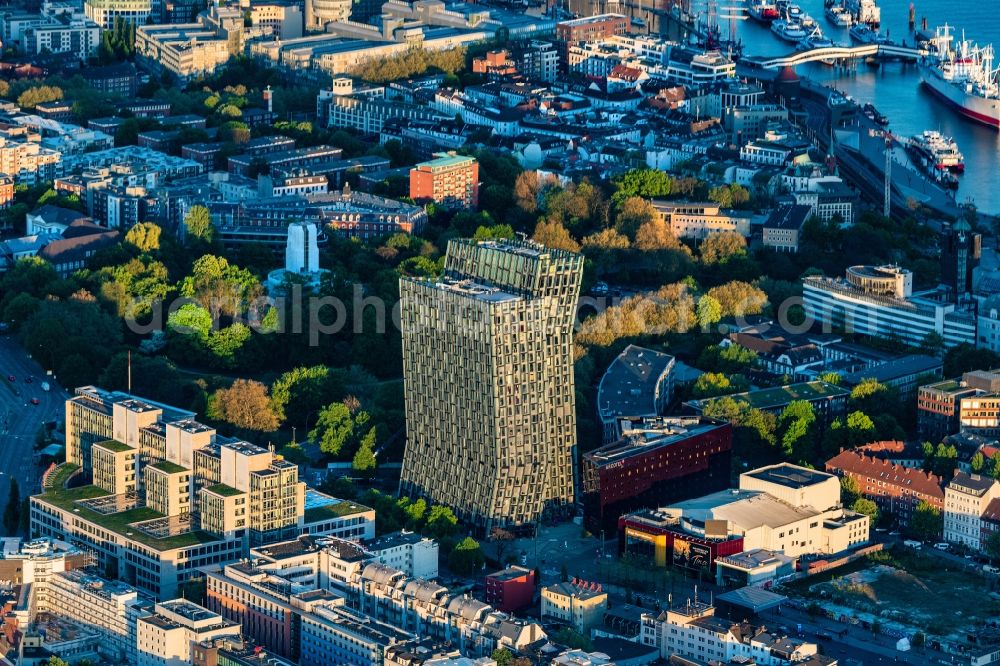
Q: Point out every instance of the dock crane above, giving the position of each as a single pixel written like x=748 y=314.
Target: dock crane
x=890 y=139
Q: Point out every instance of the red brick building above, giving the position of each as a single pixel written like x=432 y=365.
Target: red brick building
x=449 y=179
x=511 y=589
x=657 y=461
x=495 y=64
x=589 y=29
x=592 y=28
x=895 y=489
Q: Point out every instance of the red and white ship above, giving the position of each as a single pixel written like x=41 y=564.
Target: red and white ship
x=964 y=76
x=763 y=11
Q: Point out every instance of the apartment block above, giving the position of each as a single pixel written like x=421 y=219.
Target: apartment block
x=939 y=408
x=449 y=179
x=966 y=498
x=694 y=632
x=105 y=12
x=333 y=635
x=70 y=33
x=511 y=589
x=895 y=489
x=488 y=377
x=167 y=636
x=163 y=494
x=579 y=604
x=112 y=608
x=433 y=612
x=698 y=220
x=28 y=163
x=591 y=29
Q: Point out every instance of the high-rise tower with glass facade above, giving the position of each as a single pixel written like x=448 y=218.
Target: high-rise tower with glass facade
x=488 y=373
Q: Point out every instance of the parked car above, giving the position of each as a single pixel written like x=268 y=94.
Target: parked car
x=910 y=543
x=12 y=378
x=942 y=545
x=989 y=568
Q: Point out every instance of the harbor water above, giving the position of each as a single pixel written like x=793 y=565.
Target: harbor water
x=894 y=88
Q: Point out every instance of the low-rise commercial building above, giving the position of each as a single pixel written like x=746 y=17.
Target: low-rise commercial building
x=781 y=508
x=698 y=220
x=638 y=383
x=168 y=635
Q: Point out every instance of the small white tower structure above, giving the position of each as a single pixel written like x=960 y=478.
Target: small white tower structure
x=301 y=258
x=301 y=250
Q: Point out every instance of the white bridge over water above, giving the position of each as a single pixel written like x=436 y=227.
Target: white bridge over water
x=840 y=53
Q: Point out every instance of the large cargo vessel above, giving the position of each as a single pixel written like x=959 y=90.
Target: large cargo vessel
x=963 y=75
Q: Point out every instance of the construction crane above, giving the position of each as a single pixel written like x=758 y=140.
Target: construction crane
x=890 y=139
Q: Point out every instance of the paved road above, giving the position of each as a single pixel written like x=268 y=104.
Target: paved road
x=20 y=420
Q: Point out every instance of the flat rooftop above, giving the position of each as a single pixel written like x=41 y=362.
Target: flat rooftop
x=782 y=395
x=789 y=476
x=476 y=290
x=643 y=440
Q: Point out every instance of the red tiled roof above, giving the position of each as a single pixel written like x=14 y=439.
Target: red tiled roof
x=857 y=463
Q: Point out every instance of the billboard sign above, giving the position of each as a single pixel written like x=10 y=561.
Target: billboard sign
x=691 y=555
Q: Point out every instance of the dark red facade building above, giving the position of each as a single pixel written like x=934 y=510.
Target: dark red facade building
x=511 y=589
x=658 y=461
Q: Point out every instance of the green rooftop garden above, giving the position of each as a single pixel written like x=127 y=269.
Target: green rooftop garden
x=337 y=510
x=168 y=467
x=66 y=498
x=782 y=395
x=113 y=445
x=224 y=490
x=62 y=475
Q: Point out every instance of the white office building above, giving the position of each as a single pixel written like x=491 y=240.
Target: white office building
x=878 y=301
x=165 y=637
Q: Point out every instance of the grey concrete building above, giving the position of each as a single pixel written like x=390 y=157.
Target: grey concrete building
x=488 y=373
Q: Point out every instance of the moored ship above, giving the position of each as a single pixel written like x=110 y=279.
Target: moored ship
x=789 y=31
x=964 y=76
x=762 y=11
x=938 y=152
x=837 y=15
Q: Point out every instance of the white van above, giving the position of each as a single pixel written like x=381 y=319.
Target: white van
x=942 y=546
x=989 y=568
x=910 y=543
